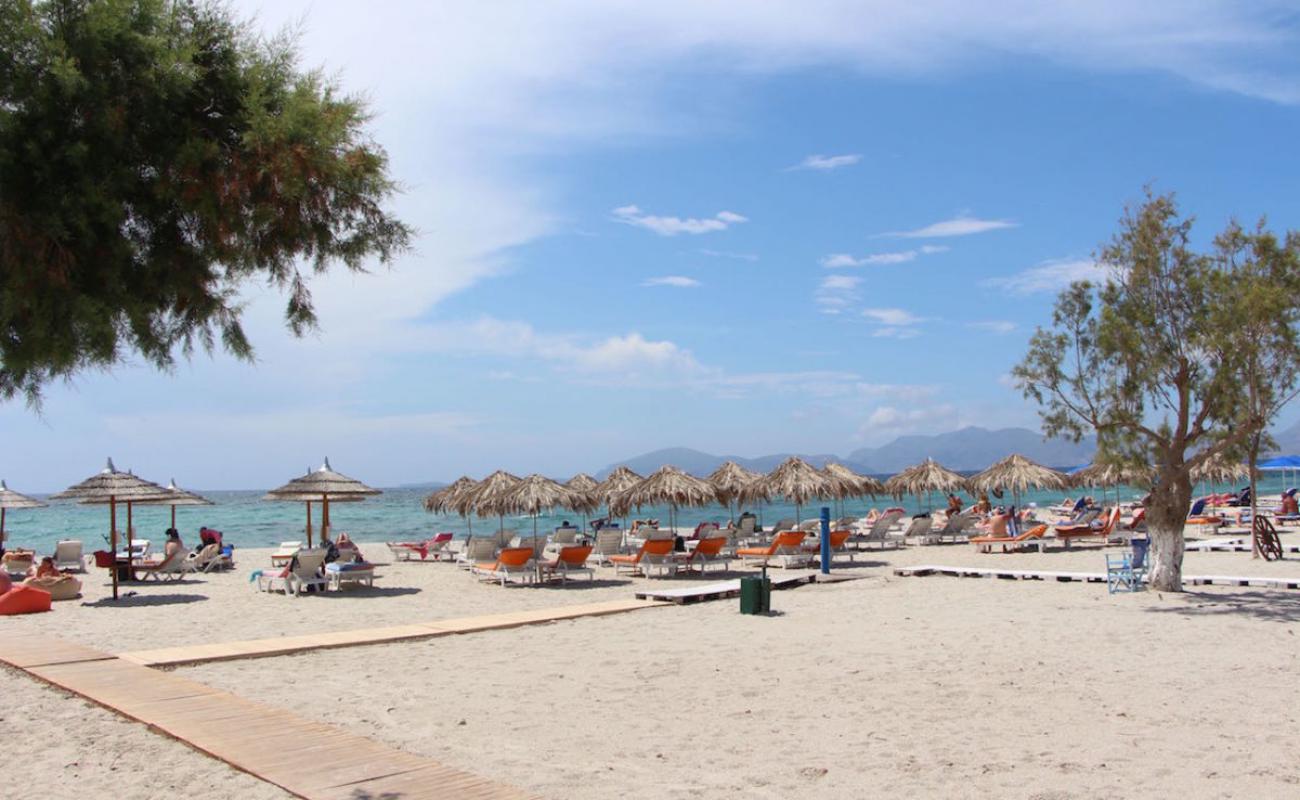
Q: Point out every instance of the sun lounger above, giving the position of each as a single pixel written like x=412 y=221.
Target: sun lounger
x=68 y=555
x=786 y=548
x=955 y=526
x=918 y=528
x=285 y=553
x=571 y=560
x=205 y=559
x=513 y=564
x=608 y=543
x=839 y=546
x=477 y=550
x=435 y=547
x=707 y=553
x=1030 y=538
x=881 y=528
x=355 y=573
x=301 y=573
x=170 y=568
x=787 y=524
x=650 y=557
x=1068 y=533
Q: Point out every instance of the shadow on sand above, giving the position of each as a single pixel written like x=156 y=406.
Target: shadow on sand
x=1264 y=605
x=133 y=600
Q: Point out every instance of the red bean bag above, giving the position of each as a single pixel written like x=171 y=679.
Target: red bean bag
x=24 y=600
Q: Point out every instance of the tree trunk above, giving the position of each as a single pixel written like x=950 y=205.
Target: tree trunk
x=1166 y=518
x=1254 y=501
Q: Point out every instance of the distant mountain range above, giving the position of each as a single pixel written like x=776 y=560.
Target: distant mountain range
x=967 y=449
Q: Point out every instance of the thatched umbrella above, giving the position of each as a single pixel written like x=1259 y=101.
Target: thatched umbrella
x=729 y=481
x=1104 y=474
x=616 y=482
x=1019 y=474
x=584 y=496
x=177 y=496
x=1219 y=469
x=535 y=494
x=440 y=501
x=850 y=484
x=324 y=485
x=928 y=476
x=11 y=499
x=798 y=482
x=488 y=497
x=110 y=486
x=670 y=485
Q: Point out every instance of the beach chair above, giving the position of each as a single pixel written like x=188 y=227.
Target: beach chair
x=504 y=537
x=477 y=550
x=919 y=528
x=608 y=543
x=839 y=546
x=355 y=573
x=880 y=529
x=955 y=526
x=707 y=553
x=139 y=550
x=513 y=564
x=786 y=547
x=786 y=524
x=650 y=557
x=285 y=553
x=1033 y=537
x=170 y=568
x=204 y=559
x=301 y=573
x=747 y=528
x=571 y=560
x=1128 y=572
x=68 y=555
x=1068 y=533
x=436 y=547
x=565 y=535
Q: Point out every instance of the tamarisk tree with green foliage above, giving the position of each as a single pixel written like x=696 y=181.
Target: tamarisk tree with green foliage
x=1175 y=358
x=154 y=156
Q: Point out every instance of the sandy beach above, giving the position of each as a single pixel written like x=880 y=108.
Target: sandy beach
x=885 y=686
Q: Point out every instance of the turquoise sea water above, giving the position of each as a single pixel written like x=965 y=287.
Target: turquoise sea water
x=397 y=514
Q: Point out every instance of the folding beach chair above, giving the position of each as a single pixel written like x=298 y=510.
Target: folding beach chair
x=1128 y=572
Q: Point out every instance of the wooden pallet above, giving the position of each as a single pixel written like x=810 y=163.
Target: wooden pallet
x=305 y=758
x=696 y=593
x=283 y=645
x=1087 y=577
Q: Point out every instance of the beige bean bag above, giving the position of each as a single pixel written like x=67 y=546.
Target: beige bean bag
x=63 y=587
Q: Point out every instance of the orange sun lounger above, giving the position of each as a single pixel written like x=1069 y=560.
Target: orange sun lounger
x=784 y=545
x=1068 y=533
x=707 y=552
x=512 y=563
x=1031 y=537
x=655 y=549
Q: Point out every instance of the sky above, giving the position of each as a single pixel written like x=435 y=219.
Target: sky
x=743 y=227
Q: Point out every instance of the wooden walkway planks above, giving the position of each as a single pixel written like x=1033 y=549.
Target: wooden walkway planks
x=921 y=571
x=309 y=759
x=283 y=645
x=720 y=590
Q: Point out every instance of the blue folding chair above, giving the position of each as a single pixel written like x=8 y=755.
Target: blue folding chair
x=1128 y=572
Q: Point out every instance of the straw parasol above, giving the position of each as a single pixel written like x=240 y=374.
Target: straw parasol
x=1218 y=469
x=620 y=480
x=1019 y=474
x=1104 y=474
x=850 y=484
x=443 y=500
x=112 y=487
x=488 y=497
x=729 y=482
x=928 y=476
x=584 y=495
x=177 y=496
x=324 y=485
x=670 y=485
x=11 y=499
x=535 y=494
x=798 y=482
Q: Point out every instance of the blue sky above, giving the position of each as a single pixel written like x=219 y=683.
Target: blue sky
x=743 y=228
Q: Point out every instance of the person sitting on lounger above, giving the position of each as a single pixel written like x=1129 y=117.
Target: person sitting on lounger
x=954 y=505
x=46 y=569
x=331 y=549
x=983 y=506
x=174 y=544
x=997 y=525
x=1290 y=506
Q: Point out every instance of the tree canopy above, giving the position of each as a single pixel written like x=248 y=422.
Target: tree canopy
x=1177 y=357
x=154 y=156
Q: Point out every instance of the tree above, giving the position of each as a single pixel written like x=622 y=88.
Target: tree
x=154 y=156
x=1175 y=358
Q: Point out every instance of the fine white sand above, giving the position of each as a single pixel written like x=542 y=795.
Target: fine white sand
x=883 y=686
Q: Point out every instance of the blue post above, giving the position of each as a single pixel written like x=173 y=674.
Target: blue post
x=826 y=540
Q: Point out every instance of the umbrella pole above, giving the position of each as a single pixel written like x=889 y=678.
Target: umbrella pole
x=309 y=523
x=130 y=537
x=2 y=530
x=173 y=516
x=112 y=538
x=324 y=517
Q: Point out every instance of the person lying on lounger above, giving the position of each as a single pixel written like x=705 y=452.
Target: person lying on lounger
x=46 y=569
x=1290 y=506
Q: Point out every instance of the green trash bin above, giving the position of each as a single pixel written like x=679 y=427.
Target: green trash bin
x=755 y=595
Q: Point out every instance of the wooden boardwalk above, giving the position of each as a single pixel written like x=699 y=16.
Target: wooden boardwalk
x=305 y=758
x=921 y=571
x=700 y=592
x=283 y=645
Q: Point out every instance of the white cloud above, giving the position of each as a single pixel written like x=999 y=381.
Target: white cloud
x=1049 y=276
x=896 y=419
x=1000 y=326
x=934 y=248
x=680 y=281
x=957 y=226
x=891 y=332
x=892 y=316
x=672 y=226
x=837 y=292
x=728 y=254
x=842 y=260
x=827 y=163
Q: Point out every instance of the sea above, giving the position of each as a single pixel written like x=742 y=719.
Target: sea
x=246 y=520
